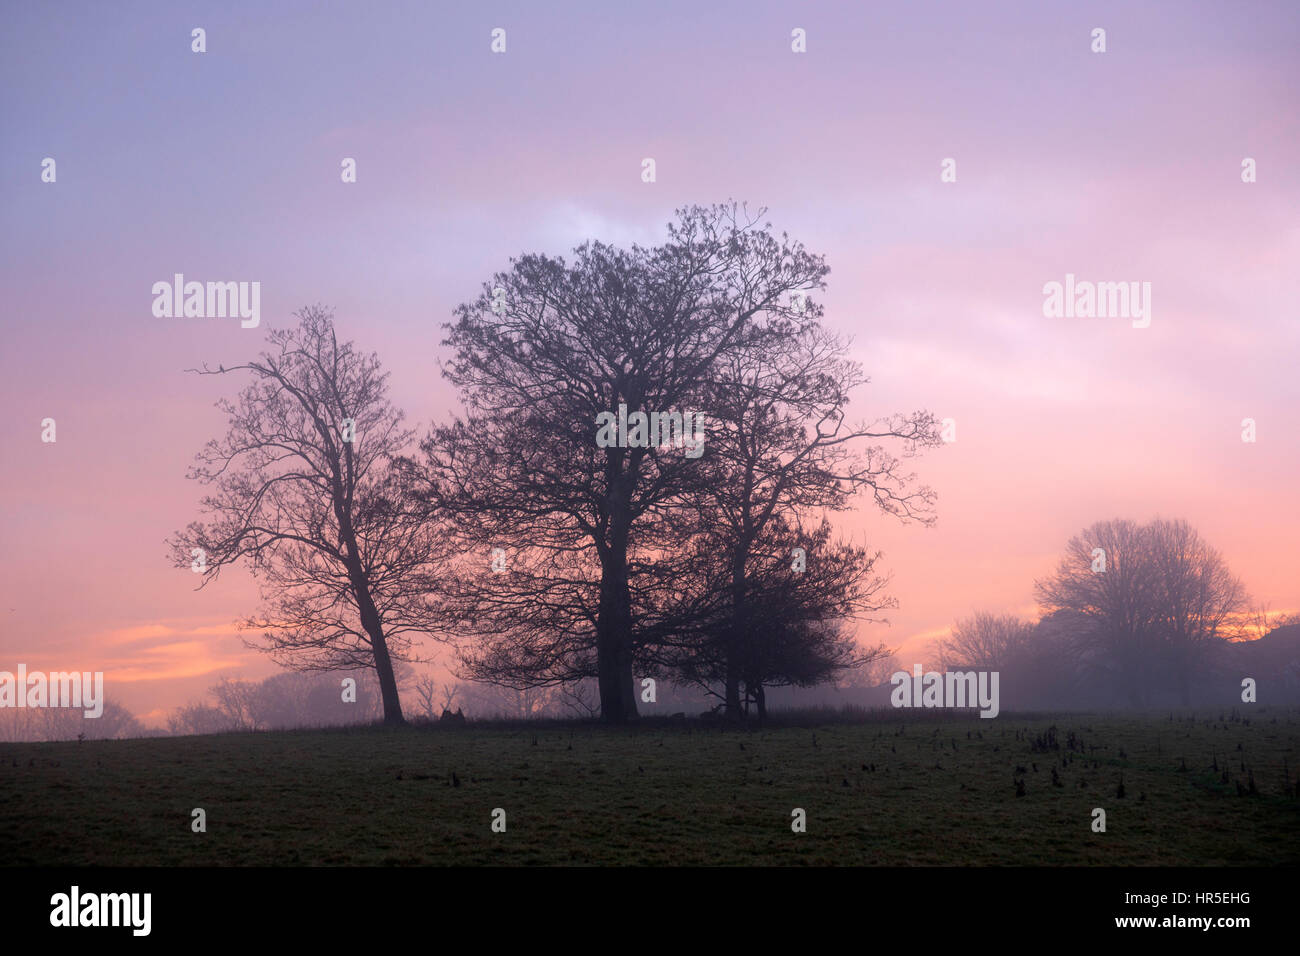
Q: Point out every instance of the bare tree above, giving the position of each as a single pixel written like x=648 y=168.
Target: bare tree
x=1117 y=601
x=537 y=362
x=1199 y=599
x=986 y=641
x=580 y=699
x=1149 y=601
x=115 y=722
x=237 y=702
x=426 y=691
x=198 y=718
x=782 y=449
x=794 y=623
x=304 y=493
x=1261 y=620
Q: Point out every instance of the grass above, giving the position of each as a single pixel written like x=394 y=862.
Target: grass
x=942 y=792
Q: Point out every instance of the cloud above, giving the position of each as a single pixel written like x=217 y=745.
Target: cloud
x=569 y=224
x=181 y=659
x=157 y=651
x=164 y=632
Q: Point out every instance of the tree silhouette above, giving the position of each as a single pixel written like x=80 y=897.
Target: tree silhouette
x=1163 y=604
x=1200 y=602
x=303 y=490
x=793 y=626
x=782 y=450
x=547 y=348
x=984 y=641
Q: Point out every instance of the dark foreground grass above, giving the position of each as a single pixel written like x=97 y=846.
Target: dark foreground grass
x=884 y=791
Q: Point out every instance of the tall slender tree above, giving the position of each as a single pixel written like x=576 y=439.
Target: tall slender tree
x=304 y=493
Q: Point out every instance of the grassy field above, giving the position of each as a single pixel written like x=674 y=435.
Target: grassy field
x=879 y=791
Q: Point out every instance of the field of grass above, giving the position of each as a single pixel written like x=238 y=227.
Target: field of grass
x=880 y=791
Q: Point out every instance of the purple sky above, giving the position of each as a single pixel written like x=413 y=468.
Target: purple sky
x=1122 y=166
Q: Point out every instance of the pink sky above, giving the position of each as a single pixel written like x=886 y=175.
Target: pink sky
x=1122 y=166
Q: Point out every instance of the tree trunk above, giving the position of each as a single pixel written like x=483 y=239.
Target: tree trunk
x=369 y=617
x=387 y=680
x=614 y=634
x=733 y=684
x=614 y=662
x=379 y=647
x=735 y=634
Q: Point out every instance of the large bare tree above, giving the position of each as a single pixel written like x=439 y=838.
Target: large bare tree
x=548 y=347
x=303 y=492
